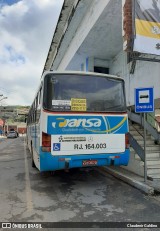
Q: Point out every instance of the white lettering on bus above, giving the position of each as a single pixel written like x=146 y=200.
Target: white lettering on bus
x=72 y=123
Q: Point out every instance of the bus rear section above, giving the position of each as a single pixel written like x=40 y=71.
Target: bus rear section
x=83 y=121
x=72 y=141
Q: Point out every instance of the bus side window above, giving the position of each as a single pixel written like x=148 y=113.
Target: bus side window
x=31 y=115
x=40 y=95
x=37 y=108
x=47 y=96
x=33 y=112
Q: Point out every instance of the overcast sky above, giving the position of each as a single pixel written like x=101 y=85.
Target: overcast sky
x=26 y=31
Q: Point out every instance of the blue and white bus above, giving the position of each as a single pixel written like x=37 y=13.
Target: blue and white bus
x=78 y=119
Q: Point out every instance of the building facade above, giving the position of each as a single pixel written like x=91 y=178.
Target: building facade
x=98 y=36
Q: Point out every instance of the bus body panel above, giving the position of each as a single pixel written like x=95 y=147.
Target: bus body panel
x=33 y=142
x=49 y=162
x=87 y=133
x=96 y=137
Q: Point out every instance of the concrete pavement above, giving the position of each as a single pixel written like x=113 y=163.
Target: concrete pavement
x=149 y=187
x=2 y=138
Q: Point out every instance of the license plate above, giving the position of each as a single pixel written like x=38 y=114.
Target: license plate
x=89 y=162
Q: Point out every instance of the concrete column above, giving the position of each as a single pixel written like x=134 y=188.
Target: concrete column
x=90 y=64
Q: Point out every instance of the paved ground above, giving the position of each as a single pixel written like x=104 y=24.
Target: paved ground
x=149 y=186
x=82 y=195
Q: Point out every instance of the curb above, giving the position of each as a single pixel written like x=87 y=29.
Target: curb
x=137 y=184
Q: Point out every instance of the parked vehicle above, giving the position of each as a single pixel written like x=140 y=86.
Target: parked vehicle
x=78 y=119
x=12 y=134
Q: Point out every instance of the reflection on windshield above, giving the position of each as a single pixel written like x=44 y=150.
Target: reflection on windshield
x=83 y=93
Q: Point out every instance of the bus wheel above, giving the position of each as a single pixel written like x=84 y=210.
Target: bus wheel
x=32 y=159
x=52 y=173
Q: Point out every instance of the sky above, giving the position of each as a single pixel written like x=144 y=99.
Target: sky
x=26 y=31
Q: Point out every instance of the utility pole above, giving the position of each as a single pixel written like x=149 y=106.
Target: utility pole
x=3 y=97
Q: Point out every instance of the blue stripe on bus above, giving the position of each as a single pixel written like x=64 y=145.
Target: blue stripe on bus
x=87 y=124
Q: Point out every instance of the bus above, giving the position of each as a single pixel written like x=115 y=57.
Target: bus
x=78 y=119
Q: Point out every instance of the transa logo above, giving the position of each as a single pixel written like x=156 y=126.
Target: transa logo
x=77 y=123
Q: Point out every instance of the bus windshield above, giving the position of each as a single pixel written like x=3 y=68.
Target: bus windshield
x=90 y=93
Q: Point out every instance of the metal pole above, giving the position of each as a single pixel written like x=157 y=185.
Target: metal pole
x=141 y=116
x=145 y=159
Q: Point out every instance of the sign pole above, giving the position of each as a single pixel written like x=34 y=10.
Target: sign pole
x=145 y=158
x=144 y=102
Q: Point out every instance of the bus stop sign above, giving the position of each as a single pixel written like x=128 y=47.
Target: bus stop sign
x=144 y=100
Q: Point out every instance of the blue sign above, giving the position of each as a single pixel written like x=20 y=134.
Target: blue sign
x=56 y=146
x=144 y=100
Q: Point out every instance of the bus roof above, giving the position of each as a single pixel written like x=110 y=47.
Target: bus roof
x=82 y=73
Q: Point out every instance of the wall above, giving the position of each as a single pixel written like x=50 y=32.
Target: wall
x=19 y=127
x=127 y=24
x=134 y=166
x=22 y=130
x=94 y=11
x=146 y=75
x=12 y=127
